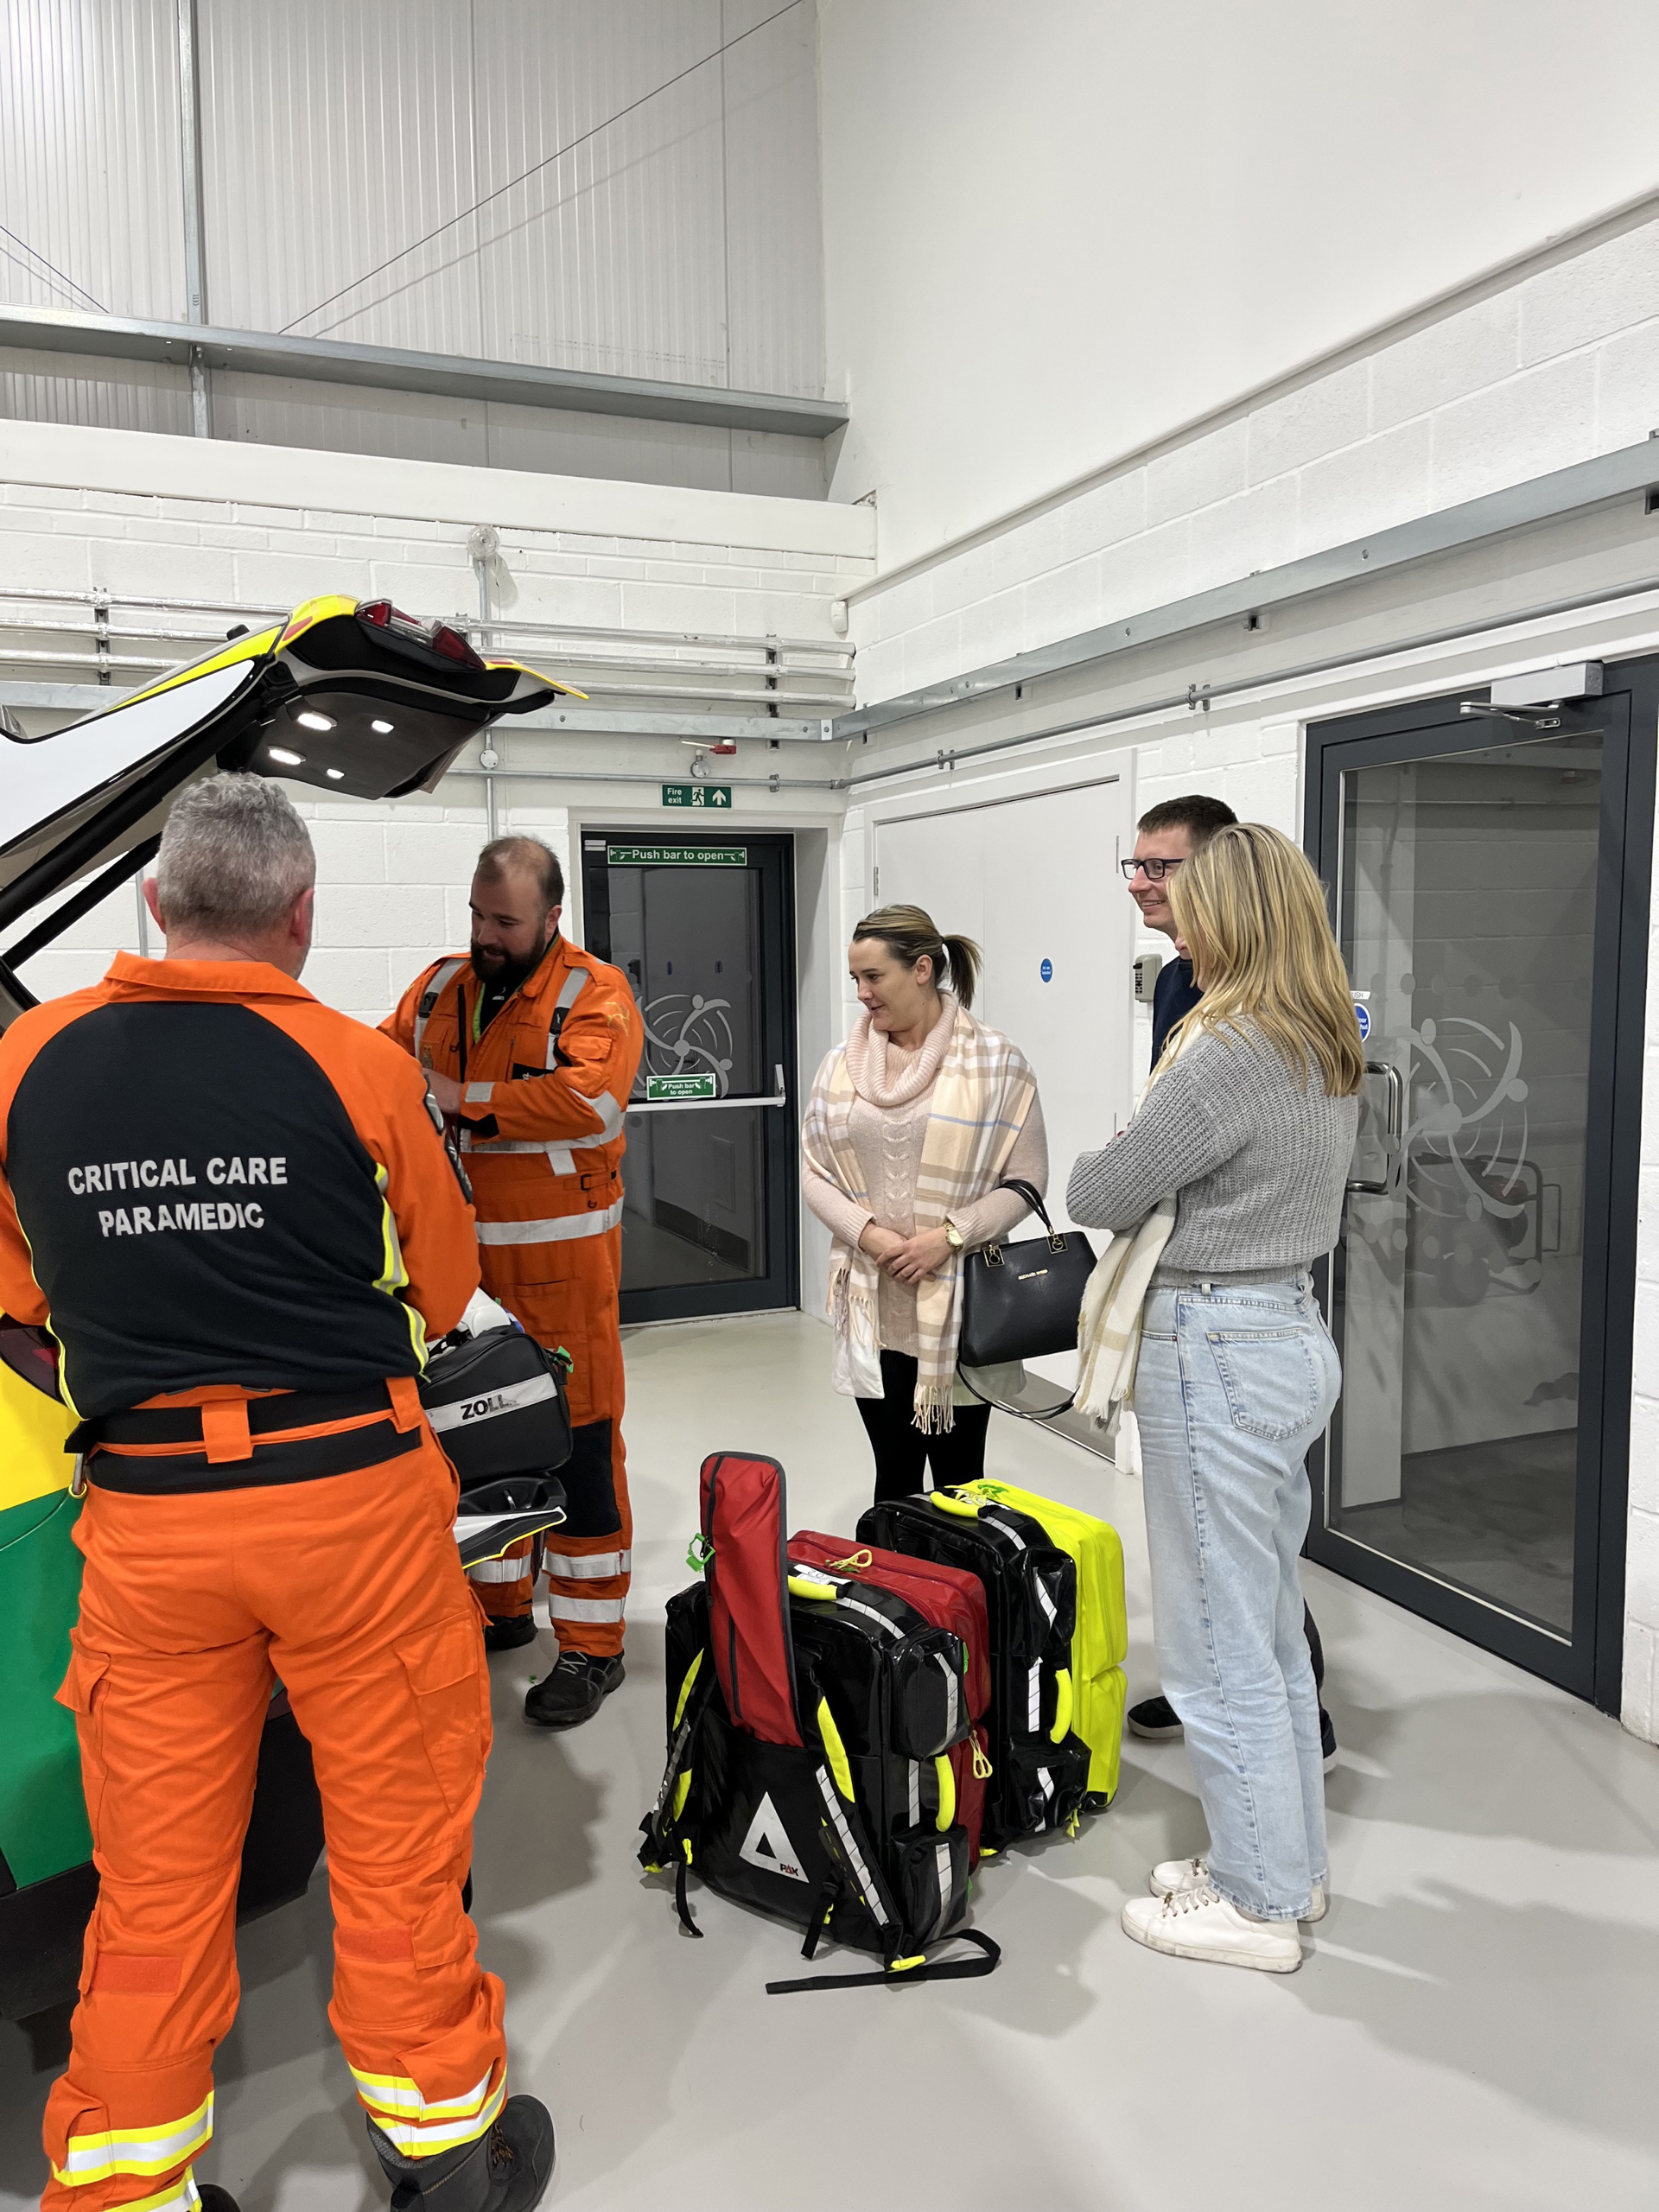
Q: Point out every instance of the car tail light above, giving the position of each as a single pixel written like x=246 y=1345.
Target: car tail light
x=454 y=646
x=378 y=611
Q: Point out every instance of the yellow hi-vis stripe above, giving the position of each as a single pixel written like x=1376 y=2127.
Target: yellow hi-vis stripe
x=180 y=2196
x=394 y=1276
x=419 y=2130
x=136 y=2150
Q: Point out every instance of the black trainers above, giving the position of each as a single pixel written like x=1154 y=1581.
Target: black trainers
x=509 y=1635
x=506 y=2171
x=1155 y=1718
x=1327 y=1739
x=574 y=1690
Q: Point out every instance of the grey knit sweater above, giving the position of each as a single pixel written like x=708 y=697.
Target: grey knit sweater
x=1256 y=1164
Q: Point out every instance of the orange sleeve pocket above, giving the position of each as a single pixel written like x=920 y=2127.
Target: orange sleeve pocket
x=446 y=1672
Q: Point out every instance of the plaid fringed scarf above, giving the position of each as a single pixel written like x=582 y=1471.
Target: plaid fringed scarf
x=981 y=1098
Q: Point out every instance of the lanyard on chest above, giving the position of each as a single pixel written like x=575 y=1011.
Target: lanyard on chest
x=569 y=991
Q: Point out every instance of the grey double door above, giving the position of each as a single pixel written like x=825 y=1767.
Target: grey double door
x=1490 y=883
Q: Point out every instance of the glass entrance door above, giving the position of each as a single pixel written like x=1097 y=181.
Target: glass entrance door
x=1478 y=867
x=702 y=929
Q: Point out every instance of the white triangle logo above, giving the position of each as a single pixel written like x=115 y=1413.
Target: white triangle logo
x=768 y=1844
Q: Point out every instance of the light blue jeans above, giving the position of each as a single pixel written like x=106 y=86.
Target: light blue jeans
x=1233 y=1386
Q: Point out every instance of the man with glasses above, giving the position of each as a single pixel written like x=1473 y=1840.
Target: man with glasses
x=1168 y=835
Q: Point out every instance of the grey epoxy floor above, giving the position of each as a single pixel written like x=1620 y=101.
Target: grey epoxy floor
x=1475 y=2026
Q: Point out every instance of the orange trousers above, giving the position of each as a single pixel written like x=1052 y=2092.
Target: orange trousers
x=349 y=1590
x=589 y=1561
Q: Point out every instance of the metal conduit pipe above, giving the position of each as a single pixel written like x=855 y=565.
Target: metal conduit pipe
x=634 y=776
x=1198 y=696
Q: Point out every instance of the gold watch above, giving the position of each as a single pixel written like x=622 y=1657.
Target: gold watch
x=953 y=1237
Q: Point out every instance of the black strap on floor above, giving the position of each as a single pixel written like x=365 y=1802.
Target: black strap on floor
x=940 y=1970
x=680 y=1905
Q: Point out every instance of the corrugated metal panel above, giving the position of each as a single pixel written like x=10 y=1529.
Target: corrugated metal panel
x=680 y=241
x=774 y=242
x=103 y=395
x=334 y=136
x=613 y=257
x=89 y=155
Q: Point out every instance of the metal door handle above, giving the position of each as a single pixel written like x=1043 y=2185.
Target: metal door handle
x=780 y=1098
x=1393 y=1129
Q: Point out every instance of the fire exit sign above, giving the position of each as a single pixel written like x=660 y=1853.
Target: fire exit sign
x=697 y=795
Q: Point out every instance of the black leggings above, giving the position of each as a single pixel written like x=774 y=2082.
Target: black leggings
x=902 y=1453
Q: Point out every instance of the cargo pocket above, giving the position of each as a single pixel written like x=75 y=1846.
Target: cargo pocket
x=932 y=1880
x=445 y=1667
x=929 y=1710
x=80 y=1692
x=1042 y=1785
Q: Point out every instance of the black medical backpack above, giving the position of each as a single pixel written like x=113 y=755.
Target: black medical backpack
x=1039 y=1769
x=810 y=1722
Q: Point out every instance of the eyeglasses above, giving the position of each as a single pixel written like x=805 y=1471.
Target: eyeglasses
x=1154 y=871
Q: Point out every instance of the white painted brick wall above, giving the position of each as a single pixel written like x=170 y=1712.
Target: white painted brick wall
x=1559 y=363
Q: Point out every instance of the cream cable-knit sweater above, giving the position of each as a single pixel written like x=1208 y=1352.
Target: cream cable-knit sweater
x=888 y=1124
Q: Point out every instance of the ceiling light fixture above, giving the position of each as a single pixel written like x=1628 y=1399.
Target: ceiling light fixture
x=335 y=775
x=310 y=719
x=381 y=729
x=280 y=752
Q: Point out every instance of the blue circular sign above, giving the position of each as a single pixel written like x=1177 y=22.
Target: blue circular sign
x=1046 y=972
x=1363 y=1016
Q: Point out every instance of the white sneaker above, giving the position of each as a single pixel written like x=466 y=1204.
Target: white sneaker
x=1199 y=1923
x=1172 y=1874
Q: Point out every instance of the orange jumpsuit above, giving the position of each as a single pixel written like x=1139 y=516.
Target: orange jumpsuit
x=546 y=1086
x=233 y=1207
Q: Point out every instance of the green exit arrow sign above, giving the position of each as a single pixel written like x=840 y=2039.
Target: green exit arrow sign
x=697 y=795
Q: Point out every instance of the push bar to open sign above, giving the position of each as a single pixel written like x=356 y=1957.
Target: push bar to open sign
x=650 y=1105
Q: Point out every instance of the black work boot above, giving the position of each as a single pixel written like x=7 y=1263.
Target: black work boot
x=506 y=2171
x=574 y=1690
x=508 y=1635
x=211 y=2198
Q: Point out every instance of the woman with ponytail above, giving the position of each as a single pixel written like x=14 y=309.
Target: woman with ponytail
x=911 y=1125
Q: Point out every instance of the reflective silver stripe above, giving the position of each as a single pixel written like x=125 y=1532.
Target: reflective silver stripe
x=951 y=1703
x=610 y=1118
x=559 y=1160
x=508 y=1399
x=587 y=1567
x=861 y=1873
x=1034 y=1699
x=434 y=991
x=598 y=1611
x=501 y=1570
x=563 y=1229
x=915 y=1793
x=942 y=1862
x=569 y=991
x=478 y=1094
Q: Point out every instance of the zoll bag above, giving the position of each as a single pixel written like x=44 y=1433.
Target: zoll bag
x=812 y=1721
x=1040 y=1765
x=496 y=1405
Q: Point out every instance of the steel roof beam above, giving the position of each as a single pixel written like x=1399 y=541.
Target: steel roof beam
x=391 y=368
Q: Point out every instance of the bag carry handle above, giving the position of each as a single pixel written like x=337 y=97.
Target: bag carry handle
x=1029 y=1193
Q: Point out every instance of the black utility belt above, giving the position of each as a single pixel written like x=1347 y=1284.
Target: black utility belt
x=138 y=1451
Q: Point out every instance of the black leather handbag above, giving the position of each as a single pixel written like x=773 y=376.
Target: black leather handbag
x=1022 y=1301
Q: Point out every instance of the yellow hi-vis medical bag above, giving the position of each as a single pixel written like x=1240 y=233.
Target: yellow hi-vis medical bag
x=1100 y=1640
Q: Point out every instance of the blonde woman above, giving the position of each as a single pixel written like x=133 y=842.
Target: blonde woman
x=911 y=1126
x=1249 y=1127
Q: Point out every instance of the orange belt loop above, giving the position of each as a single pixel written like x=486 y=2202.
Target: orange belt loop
x=405 y=1395
x=224 y=1430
